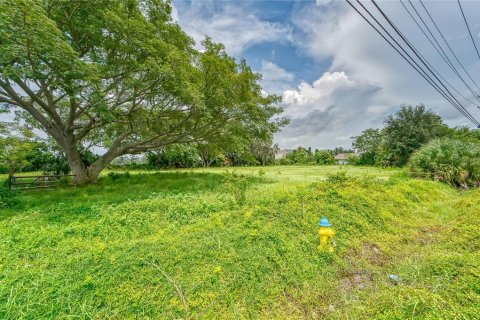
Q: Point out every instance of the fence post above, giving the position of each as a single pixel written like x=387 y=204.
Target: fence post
x=10 y=181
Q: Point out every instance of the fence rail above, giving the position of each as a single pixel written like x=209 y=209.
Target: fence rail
x=41 y=182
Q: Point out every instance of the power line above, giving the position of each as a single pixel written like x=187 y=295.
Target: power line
x=469 y=32
x=443 y=54
x=448 y=45
x=419 y=69
x=425 y=62
x=439 y=51
x=422 y=60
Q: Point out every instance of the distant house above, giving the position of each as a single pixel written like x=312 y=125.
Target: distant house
x=281 y=153
x=342 y=158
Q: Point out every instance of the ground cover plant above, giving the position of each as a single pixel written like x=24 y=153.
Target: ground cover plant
x=177 y=245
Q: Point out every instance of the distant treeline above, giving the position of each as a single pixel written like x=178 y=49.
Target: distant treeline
x=403 y=134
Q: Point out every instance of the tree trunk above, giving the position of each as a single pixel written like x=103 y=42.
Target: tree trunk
x=93 y=171
x=84 y=174
x=77 y=166
x=11 y=170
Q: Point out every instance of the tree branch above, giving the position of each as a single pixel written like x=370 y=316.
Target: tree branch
x=24 y=105
x=48 y=109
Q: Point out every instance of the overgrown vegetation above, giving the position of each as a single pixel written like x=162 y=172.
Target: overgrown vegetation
x=450 y=161
x=177 y=245
x=237 y=184
x=8 y=199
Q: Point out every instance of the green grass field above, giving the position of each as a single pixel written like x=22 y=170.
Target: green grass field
x=176 y=245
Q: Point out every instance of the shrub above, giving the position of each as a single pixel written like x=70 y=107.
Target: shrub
x=324 y=157
x=337 y=177
x=237 y=184
x=8 y=199
x=451 y=161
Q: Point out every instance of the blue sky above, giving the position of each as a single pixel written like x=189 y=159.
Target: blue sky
x=335 y=75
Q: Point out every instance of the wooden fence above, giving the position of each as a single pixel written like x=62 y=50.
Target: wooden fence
x=41 y=182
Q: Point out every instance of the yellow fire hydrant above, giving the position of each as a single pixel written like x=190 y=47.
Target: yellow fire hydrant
x=326 y=234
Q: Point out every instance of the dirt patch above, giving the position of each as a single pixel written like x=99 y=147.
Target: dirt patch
x=369 y=252
x=429 y=234
x=356 y=280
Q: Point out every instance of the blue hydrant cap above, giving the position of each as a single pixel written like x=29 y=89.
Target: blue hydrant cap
x=324 y=222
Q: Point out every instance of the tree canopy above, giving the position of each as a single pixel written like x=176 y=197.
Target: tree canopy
x=407 y=130
x=369 y=145
x=16 y=143
x=122 y=76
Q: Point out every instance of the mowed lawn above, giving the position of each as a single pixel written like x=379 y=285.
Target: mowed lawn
x=176 y=244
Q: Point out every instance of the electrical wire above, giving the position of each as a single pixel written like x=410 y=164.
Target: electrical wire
x=439 y=51
x=448 y=45
x=469 y=32
x=443 y=54
x=422 y=60
x=414 y=64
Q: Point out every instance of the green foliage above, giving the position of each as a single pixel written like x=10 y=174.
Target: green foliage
x=114 y=176
x=123 y=76
x=337 y=177
x=355 y=160
x=450 y=161
x=174 y=244
x=464 y=134
x=211 y=154
x=369 y=144
x=237 y=185
x=406 y=131
x=47 y=158
x=15 y=145
x=174 y=156
x=299 y=155
x=324 y=157
x=8 y=199
x=303 y=156
x=263 y=151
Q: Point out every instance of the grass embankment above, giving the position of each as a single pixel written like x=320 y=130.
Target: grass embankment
x=176 y=245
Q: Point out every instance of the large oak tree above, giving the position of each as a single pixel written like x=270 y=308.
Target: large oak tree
x=120 y=75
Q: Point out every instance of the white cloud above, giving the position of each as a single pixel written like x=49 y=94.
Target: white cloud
x=340 y=33
x=322 y=3
x=336 y=106
x=307 y=94
x=365 y=80
x=328 y=110
x=230 y=24
x=274 y=78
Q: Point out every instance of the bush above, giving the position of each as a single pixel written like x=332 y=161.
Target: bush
x=337 y=177
x=8 y=199
x=237 y=184
x=451 y=161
